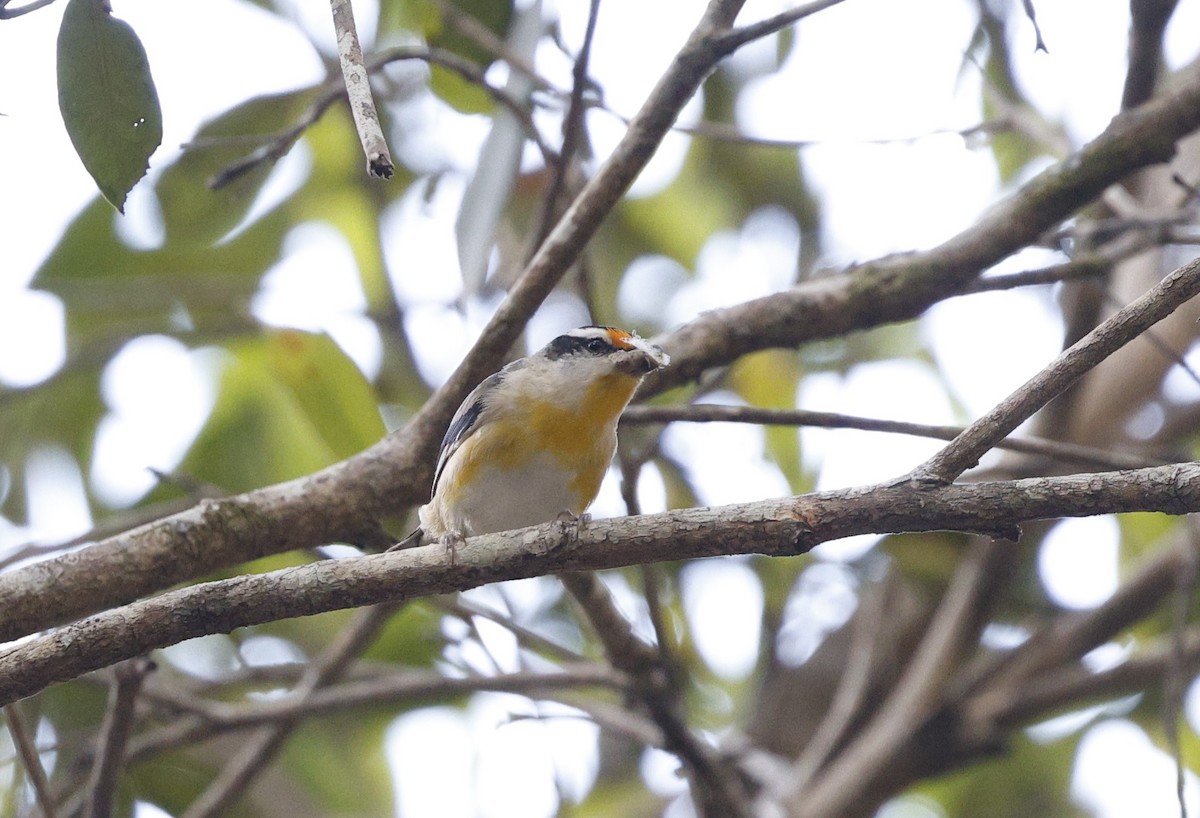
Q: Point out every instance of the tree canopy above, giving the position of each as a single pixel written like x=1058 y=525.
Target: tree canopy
x=232 y=638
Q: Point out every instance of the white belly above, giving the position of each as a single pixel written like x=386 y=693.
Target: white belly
x=498 y=501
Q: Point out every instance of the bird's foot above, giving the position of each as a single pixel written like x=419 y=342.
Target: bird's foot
x=451 y=541
x=569 y=526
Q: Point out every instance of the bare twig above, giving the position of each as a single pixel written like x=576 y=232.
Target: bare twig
x=1147 y=26
x=716 y=413
x=217 y=718
x=259 y=750
x=334 y=89
x=1039 y=45
x=114 y=735
x=1156 y=304
x=7 y=14
x=774 y=527
x=1066 y=639
x=1176 y=679
x=755 y=31
x=851 y=690
x=528 y=639
x=572 y=127
x=916 y=696
x=26 y=748
x=358 y=90
x=1069 y=687
x=716 y=789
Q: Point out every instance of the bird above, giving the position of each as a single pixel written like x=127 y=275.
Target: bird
x=531 y=443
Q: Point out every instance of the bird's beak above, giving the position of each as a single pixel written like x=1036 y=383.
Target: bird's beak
x=643 y=359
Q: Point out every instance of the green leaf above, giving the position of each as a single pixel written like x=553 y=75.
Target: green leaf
x=290 y=403
x=192 y=212
x=107 y=97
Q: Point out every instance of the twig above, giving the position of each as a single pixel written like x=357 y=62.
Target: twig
x=776 y=527
x=258 y=751
x=1176 y=678
x=1146 y=30
x=334 y=89
x=358 y=90
x=716 y=789
x=1154 y=305
x=1059 y=688
x=7 y=14
x=738 y=37
x=398 y=687
x=852 y=687
x=114 y=735
x=716 y=413
x=480 y=35
x=571 y=128
x=30 y=758
x=1040 y=45
x=914 y=699
x=528 y=639
x=1069 y=637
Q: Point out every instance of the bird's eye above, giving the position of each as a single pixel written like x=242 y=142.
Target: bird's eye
x=596 y=345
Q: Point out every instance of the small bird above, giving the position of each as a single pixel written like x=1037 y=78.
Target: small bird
x=531 y=444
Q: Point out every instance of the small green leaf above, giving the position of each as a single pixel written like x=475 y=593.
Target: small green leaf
x=197 y=215
x=290 y=403
x=107 y=97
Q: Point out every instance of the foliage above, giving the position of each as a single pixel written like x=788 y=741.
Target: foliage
x=288 y=401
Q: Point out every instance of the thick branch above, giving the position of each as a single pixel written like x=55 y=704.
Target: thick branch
x=900 y=287
x=340 y=503
x=773 y=527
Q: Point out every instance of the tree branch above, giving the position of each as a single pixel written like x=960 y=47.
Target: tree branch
x=719 y=413
x=773 y=527
x=900 y=287
x=114 y=735
x=358 y=91
x=27 y=750
x=341 y=503
x=259 y=749
x=716 y=789
x=1128 y=323
x=401 y=687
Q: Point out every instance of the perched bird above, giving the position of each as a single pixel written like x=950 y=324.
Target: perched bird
x=531 y=444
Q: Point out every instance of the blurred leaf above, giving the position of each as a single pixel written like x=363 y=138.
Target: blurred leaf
x=1030 y=779
x=63 y=411
x=192 y=212
x=107 y=97
x=1142 y=535
x=411 y=637
x=929 y=559
x=458 y=92
x=114 y=292
x=769 y=379
x=426 y=17
x=339 y=761
x=290 y=403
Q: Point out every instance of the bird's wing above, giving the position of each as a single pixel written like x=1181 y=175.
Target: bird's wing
x=465 y=423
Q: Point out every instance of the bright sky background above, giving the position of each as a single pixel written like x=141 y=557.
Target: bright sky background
x=878 y=199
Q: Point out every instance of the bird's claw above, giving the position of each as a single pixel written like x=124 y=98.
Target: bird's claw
x=569 y=526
